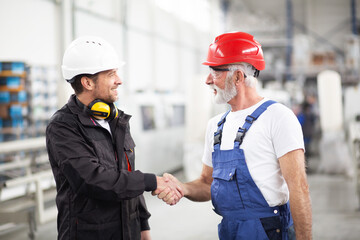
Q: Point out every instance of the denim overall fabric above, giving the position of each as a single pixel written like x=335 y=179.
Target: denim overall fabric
x=235 y=196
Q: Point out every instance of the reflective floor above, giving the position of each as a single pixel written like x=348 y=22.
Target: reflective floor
x=334 y=202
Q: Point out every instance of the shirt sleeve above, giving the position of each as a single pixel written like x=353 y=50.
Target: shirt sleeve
x=286 y=131
x=209 y=142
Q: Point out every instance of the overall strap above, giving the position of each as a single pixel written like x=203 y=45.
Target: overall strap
x=249 y=121
x=218 y=133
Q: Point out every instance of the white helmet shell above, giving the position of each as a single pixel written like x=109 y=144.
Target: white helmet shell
x=88 y=55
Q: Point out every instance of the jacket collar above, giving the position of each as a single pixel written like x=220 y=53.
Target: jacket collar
x=79 y=109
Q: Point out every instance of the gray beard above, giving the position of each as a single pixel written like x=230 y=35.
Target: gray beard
x=225 y=95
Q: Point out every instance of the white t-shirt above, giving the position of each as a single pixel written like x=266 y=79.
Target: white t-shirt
x=275 y=133
x=104 y=124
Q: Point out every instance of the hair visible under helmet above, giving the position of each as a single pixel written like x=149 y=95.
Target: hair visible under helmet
x=248 y=70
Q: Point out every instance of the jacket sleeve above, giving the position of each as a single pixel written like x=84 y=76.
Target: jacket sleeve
x=77 y=160
x=144 y=214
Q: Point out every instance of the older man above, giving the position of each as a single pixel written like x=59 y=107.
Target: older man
x=253 y=162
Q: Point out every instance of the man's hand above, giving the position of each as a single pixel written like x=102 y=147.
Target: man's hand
x=168 y=189
x=197 y=190
x=145 y=235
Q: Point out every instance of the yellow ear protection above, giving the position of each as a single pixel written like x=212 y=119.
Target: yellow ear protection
x=103 y=110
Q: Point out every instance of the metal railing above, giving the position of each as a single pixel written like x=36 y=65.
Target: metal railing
x=34 y=185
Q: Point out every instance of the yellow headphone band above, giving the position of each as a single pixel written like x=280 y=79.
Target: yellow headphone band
x=103 y=110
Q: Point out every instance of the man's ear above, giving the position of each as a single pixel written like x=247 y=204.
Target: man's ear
x=87 y=83
x=239 y=77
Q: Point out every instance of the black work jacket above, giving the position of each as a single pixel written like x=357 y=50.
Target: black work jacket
x=97 y=197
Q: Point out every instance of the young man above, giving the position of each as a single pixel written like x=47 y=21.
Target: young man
x=91 y=151
x=253 y=162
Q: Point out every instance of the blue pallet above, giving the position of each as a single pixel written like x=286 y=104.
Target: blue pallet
x=10 y=82
x=16 y=67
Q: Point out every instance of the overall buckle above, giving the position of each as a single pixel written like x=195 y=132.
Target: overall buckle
x=217 y=137
x=240 y=135
x=250 y=119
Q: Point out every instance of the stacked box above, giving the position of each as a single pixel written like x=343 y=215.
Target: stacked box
x=13 y=100
x=28 y=98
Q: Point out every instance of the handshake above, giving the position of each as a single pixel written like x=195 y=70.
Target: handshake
x=169 y=189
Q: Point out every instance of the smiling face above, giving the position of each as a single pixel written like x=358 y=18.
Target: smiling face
x=106 y=86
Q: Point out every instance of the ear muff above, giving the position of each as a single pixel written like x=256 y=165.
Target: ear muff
x=102 y=110
x=113 y=112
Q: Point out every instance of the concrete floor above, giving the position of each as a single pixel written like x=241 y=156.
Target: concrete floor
x=334 y=203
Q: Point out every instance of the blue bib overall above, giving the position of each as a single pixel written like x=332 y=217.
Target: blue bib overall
x=235 y=196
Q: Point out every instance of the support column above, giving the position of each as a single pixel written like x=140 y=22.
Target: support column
x=67 y=32
x=289 y=37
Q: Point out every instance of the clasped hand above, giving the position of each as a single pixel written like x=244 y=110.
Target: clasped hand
x=168 y=189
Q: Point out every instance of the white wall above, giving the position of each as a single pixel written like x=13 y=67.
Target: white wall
x=30 y=31
x=153 y=38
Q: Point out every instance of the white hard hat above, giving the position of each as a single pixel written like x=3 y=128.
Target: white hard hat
x=88 y=55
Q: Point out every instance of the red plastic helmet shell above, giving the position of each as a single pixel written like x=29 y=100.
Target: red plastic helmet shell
x=235 y=47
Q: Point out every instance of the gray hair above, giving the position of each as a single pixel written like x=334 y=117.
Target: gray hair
x=248 y=70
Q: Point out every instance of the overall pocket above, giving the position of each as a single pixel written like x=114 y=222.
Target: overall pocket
x=272 y=227
x=225 y=194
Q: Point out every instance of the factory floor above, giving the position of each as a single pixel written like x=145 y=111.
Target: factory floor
x=334 y=203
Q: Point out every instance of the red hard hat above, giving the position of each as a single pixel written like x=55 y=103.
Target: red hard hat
x=235 y=47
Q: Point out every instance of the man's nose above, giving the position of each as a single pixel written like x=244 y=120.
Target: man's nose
x=118 y=80
x=209 y=79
